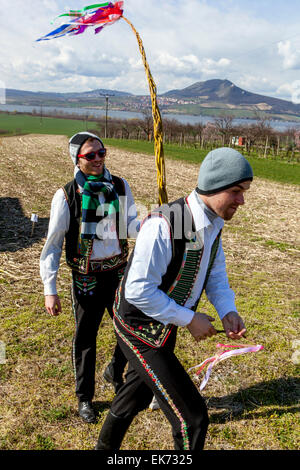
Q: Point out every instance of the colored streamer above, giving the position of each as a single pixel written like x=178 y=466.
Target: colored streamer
x=227 y=352
x=102 y=14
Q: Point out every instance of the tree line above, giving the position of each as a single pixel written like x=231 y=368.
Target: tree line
x=258 y=139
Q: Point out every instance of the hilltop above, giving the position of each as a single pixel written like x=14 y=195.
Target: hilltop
x=211 y=97
x=225 y=94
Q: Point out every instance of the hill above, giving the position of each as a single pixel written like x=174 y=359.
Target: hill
x=223 y=92
x=210 y=97
x=31 y=98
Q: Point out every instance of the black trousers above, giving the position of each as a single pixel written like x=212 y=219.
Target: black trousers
x=158 y=371
x=91 y=295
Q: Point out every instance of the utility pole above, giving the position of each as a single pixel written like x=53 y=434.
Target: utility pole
x=106 y=113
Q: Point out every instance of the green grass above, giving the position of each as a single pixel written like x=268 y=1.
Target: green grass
x=56 y=414
x=44 y=443
x=281 y=172
x=26 y=124
x=263 y=168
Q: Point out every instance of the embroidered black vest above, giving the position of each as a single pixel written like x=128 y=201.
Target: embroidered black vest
x=76 y=261
x=177 y=282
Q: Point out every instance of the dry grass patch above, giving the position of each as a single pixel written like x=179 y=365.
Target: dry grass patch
x=253 y=400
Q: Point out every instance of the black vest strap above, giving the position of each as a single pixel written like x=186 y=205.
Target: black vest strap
x=182 y=229
x=134 y=320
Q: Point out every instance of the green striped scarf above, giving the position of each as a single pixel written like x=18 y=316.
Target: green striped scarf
x=92 y=211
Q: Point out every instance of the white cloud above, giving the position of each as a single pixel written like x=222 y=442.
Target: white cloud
x=50 y=5
x=211 y=66
x=188 y=64
x=184 y=42
x=291 y=56
x=286 y=89
x=256 y=83
x=290 y=90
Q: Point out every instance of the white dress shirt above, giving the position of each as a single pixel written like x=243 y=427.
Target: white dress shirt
x=59 y=226
x=152 y=255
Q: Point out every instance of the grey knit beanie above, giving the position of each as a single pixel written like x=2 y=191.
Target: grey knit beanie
x=76 y=142
x=221 y=169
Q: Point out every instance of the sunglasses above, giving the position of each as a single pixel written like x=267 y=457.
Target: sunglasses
x=92 y=155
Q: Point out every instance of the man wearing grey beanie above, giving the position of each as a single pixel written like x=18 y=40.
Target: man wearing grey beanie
x=97 y=258
x=178 y=254
x=221 y=170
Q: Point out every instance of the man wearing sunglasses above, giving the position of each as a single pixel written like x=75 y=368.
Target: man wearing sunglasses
x=94 y=214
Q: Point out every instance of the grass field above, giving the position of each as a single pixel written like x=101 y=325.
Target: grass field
x=264 y=168
x=27 y=124
x=253 y=400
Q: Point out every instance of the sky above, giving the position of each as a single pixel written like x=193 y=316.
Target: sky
x=255 y=44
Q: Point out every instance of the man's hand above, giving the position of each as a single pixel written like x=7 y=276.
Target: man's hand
x=201 y=327
x=52 y=304
x=233 y=325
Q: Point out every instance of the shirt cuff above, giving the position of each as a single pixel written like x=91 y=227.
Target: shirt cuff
x=50 y=288
x=185 y=317
x=227 y=307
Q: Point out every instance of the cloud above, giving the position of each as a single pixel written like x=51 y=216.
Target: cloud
x=286 y=89
x=290 y=90
x=50 y=5
x=188 y=64
x=291 y=56
x=257 y=83
x=184 y=42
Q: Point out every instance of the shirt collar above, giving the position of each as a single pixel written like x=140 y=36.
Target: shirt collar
x=107 y=175
x=202 y=215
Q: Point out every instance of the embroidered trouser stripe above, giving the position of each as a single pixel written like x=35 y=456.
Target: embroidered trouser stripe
x=159 y=386
x=73 y=340
x=158 y=370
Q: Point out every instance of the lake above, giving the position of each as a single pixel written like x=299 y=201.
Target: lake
x=182 y=118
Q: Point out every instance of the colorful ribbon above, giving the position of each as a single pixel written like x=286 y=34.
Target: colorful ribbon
x=221 y=356
x=98 y=15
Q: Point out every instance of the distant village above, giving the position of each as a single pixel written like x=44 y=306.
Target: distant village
x=144 y=102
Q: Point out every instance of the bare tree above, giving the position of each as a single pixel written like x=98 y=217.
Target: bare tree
x=224 y=126
x=147 y=123
x=210 y=134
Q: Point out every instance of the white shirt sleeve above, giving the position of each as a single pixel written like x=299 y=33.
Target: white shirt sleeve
x=51 y=253
x=217 y=289
x=133 y=224
x=152 y=255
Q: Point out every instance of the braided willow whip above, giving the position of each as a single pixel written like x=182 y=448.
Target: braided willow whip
x=157 y=125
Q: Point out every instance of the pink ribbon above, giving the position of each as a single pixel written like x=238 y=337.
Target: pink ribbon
x=221 y=356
